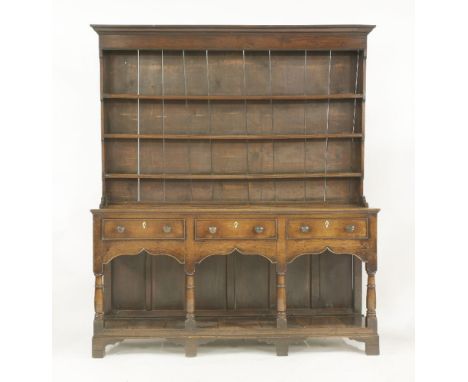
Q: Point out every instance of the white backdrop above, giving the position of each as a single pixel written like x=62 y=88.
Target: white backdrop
x=388 y=185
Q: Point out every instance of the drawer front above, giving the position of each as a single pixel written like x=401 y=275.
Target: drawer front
x=320 y=228
x=125 y=229
x=251 y=229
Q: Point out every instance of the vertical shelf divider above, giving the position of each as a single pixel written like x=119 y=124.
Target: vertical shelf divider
x=209 y=116
x=355 y=92
x=353 y=153
x=138 y=127
x=163 y=127
x=326 y=139
x=186 y=106
x=245 y=122
x=272 y=118
x=305 y=125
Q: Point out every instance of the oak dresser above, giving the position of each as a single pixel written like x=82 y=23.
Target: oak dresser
x=232 y=186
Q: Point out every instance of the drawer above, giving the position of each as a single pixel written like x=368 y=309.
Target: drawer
x=117 y=229
x=251 y=229
x=320 y=228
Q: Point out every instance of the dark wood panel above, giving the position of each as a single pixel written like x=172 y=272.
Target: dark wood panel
x=257 y=73
x=347 y=190
x=228 y=118
x=121 y=116
x=288 y=72
x=211 y=283
x=298 y=281
x=202 y=191
x=196 y=72
x=128 y=282
x=320 y=281
x=289 y=157
x=344 y=117
x=259 y=117
x=121 y=190
x=158 y=190
x=151 y=191
x=262 y=191
x=343 y=72
x=167 y=283
x=120 y=73
x=121 y=156
x=151 y=157
x=230 y=191
x=336 y=285
x=151 y=117
x=174 y=76
x=316 y=117
x=225 y=73
x=289 y=117
x=315 y=189
x=189 y=117
x=229 y=157
x=317 y=72
x=260 y=157
x=251 y=282
x=289 y=190
x=177 y=191
x=176 y=157
x=315 y=160
x=150 y=72
x=343 y=155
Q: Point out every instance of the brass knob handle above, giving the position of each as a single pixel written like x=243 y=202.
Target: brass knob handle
x=305 y=228
x=350 y=228
x=259 y=229
x=212 y=229
x=167 y=228
x=120 y=229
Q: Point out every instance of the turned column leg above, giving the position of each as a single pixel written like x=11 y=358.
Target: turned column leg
x=371 y=316
x=98 y=344
x=190 y=301
x=190 y=324
x=281 y=321
x=371 y=343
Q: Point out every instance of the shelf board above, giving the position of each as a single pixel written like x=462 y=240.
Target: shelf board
x=240 y=327
x=240 y=137
x=304 y=97
x=236 y=176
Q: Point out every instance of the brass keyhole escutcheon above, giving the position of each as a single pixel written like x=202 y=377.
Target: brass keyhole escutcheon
x=236 y=225
x=143 y=225
x=327 y=224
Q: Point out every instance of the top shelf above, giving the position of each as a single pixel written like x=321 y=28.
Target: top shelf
x=317 y=97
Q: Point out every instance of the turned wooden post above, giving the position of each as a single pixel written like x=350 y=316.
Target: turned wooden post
x=99 y=297
x=281 y=321
x=190 y=301
x=371 y=316
x=282 y=346
x=98 y=344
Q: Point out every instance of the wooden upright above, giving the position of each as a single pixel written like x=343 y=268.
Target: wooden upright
x=232 y=186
